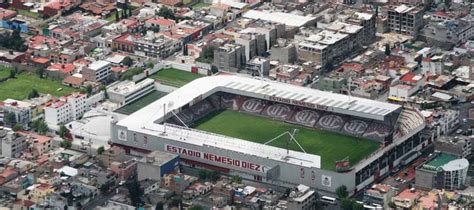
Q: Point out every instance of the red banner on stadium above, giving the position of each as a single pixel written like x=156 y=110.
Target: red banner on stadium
x=214 y=158
x=343 y=165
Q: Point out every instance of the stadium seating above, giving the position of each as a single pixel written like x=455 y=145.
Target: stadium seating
x=202 y=108
x=409 y=120
x=330 y=121
x=253 y=105
x=355 y=127
x=305 y=117
x=377 y=130
x=278 y=111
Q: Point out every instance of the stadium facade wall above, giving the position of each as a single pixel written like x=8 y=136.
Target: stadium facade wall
x=288 y=173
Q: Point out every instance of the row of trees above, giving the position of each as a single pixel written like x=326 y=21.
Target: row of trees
x=346 y=202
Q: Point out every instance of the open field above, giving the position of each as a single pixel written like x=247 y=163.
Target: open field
x=330 y=146
x=140 y=103
x=175 y=77
x=21 y=86
x=199 y=5
x=4 y=72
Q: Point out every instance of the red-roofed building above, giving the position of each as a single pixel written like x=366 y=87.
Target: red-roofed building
x=75 y=104
x=163 y=24
x=23 y=204
x=58 y=70
x=40 y=62
x=406 y=199
x=55 y=7
x=172 y=3
x=125 y=42
x=73 y=81
x=6 y=14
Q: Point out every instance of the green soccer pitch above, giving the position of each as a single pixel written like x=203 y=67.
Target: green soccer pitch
x=329 y=145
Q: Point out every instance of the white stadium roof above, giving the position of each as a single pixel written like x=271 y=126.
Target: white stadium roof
x=146 y=119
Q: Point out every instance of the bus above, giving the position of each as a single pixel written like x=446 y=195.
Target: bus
x=328 y=200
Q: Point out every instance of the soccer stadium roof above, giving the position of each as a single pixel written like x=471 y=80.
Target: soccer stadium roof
x=147 y=119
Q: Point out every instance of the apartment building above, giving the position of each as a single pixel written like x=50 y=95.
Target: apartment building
x=405 y=20
x=447 y=34
x=230 y=57
x=97 y=71
x=66 y=109
x=156 y=47
x=331 y=45
x=21 y=111
x=12 y=144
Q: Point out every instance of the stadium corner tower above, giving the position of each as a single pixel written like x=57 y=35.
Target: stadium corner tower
x=168 y=125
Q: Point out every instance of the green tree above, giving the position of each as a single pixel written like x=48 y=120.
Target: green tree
x=40 y=72
x=341 y=192
x=66 y=144
x=196 y=207
x=357 y=206
x=63 y=131
x=214 y=69
x=150 y=65
x=387 y=50
x=166 y=12
x=9 y=118
x=18 y=127
x=89 y=89
x=33 y=94
x=127 y=61
x=176 y=201
x=236 y=179
x=346 y=204
x=117 y=16
x=214 y=176
x=135 y=192
x=203 y=174
x=100 y=150
x=13 y=72
x=159 y=206
x=40 y=126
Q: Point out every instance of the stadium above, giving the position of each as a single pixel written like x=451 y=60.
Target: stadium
x=276 y=133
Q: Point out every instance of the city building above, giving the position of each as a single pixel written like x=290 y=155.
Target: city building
x=17 y=112
x=12 y=143
x=380 y=194
x=230 y=57
x=284 y=51
x=97 y=71
x=406 y=199
x=156 y=47
x=66 y=109
x=447 y=34
x=460 y=146
x=442 y=171
x=127 y=91
x=258 y=67
x=331 y=46
x=156 y=164
x=302 y=197
x=405 y=19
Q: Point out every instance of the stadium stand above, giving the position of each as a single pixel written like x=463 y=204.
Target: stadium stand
x=202 y=108
x=279 y=111
x=305 y=117
x=377 y=130
x=355 y=127
x=252 y=105
x=409 y=120
x=332 y=122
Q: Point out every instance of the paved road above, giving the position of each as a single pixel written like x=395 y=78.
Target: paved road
x=102 y=198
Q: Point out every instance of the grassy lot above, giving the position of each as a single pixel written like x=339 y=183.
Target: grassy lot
x=330 y=146
x=30 y=14
x=21 y=86
x=140 y=103
x=175 y=77
x=199 y=5
x=4 y=72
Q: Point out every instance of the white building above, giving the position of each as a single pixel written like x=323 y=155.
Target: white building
x=66 y=109
x=23 y=111
x=128 y=91
x=12 y=144
x=97 y=71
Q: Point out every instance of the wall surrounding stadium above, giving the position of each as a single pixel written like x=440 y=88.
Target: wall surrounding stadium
x=237 y=162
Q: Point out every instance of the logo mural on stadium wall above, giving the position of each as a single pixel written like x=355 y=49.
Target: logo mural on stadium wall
x=252 y=105
x=298 y=103
x=306 y=117
x=331 y=121
x=214 y=158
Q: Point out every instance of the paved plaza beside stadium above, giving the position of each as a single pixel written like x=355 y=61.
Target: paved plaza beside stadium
x=330 y=146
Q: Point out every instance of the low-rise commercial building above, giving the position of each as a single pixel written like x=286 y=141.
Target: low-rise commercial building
x=66 y=109
x=127 y=91
x=156 y=164
x=442 y=171
x=97 y=71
